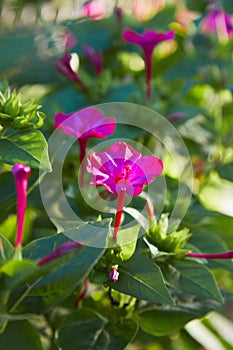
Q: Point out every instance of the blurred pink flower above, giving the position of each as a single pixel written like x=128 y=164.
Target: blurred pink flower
x=145 y=9
x=21 y=174
x=176 y=116
x=84 y=124
x=64 y=67
x=114 y=275
x=94 y=9
x=218 y=22
x=122 y=170
x=147 y=41
x=96 y=58
x=69 y=39
x=60 y=251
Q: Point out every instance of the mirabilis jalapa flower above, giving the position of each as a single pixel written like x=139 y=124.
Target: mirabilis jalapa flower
x=85 y=124
x=122 y=170
x=218 y=22
x=147 y=41
x=95 y=58
x=21 y=174
x=63 y=65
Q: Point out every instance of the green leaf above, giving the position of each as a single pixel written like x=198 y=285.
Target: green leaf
x=193 y=278
x=121 y=333
x=83 y=329
x=142 y=278
x=60 y=283
x=20 y=334
x=217 y=194
x=28 y=147
x=165 y=320
x=127 y=240
x=6 y=251
x=18 y=271
x=86 y=329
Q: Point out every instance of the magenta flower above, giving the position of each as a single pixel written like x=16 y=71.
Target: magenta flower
x=96 y=58
x=218 y=22
x=122 y=170
x=94 y=9
x=85 y=124
x=63 y=249
x=64 y=67
x=147 y=41
x=114 y=274
x=21 y=174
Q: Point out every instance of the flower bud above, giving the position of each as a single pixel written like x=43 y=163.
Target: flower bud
x=114 y=275
x=21 y=174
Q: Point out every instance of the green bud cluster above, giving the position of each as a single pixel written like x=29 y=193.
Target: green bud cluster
x=172 y=242
x=17 y=113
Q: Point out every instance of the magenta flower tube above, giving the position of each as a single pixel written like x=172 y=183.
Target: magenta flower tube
x=95 y=58
x=21 y=174
x=225 y=255
x=147 y=41
x=122 y=170
x=60 y=251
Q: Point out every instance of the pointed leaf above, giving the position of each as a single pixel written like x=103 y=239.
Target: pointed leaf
x=127 y=239
x=60 y=283
x=28 y=147
x=83 y=329
x=86 y=329
x=197 y=279
x=21 y=335
x=142 y=278
x=165 y=320
x=7 y=250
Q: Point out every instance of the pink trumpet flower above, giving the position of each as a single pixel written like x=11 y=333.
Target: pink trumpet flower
x=122 y=170
x=64 y=67
x=218 y=22
x=147 y=41
x=21 y=174
x=85 y=124
x=94 y=10
x=95 y=58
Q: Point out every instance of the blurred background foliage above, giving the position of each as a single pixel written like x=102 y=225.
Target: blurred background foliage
x=192 y=86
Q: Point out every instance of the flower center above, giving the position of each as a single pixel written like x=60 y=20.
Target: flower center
x=125 y=174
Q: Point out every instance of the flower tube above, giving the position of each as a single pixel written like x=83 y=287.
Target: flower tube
x=21 y=174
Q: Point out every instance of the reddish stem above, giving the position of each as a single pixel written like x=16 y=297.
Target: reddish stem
x=226 y=255
x=148 y=62
x=82 y=295
x=119 y=211
x=82 y=147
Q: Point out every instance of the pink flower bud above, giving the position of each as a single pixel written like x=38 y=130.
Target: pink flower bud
x=114 y=275
x=21 y=174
